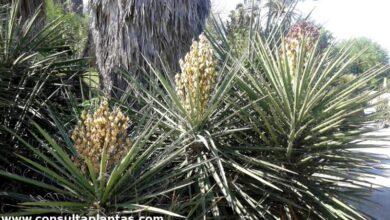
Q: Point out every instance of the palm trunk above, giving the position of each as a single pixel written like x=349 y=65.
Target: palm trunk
x=127 y=31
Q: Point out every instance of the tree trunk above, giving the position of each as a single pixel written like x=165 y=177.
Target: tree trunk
x=127 y=31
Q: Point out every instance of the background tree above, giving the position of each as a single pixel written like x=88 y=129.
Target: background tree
x=74 y=24
x=125 y=32
x=76 y=6
x=255 y=16
x=373 y=54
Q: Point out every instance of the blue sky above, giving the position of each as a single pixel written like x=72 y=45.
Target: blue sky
x=344 y=18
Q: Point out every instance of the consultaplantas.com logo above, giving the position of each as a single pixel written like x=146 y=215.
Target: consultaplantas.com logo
x=78 y=217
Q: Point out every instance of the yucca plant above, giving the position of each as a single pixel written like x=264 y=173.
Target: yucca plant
x=307 y=122
x=203 y=109
x=34 y=70
x=100 y=169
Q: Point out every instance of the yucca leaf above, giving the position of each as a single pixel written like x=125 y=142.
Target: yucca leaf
x=33 y=182
x=45 y=171
x=54 y=204
x=68 y=162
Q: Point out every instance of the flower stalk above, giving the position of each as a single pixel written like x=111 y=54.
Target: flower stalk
x=195 y=83
x=99 y=129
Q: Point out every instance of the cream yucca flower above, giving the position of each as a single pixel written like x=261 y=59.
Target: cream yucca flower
x=98 y=129
x=195 y=83
x=302 y=31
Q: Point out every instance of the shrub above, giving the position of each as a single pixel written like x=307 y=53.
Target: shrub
x=36 y=71
x=111 y=182
x=275 y=141
x=306 y=122
x=74 y=27
x=35 y=68
x=203 y=110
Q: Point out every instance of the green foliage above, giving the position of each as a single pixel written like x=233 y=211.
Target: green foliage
x=305 y=122
x=209 y=140
x=305 y=125
x=275 y=142
x=272 y=139
x=131 y=187
x=74 y=26
x=35 y=68
x=372 y=54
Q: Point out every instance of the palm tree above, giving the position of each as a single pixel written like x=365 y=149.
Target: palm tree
x=127 y=34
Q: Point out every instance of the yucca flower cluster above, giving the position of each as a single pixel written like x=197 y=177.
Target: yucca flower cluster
x=97 y=130
x=301 y=31
x=195 y=83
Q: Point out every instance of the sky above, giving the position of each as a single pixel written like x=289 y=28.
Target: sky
x=344 y=18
